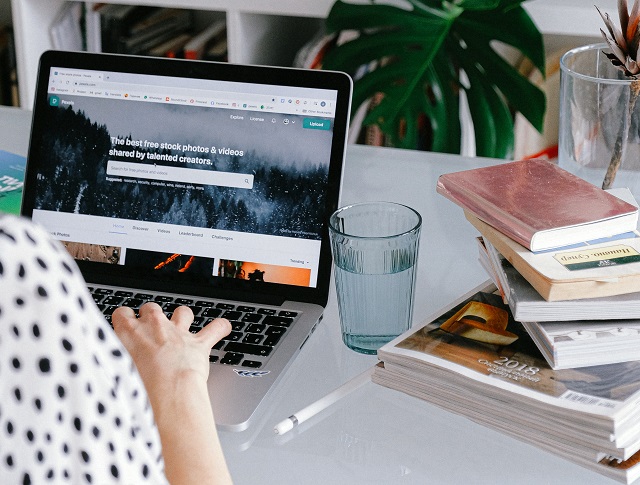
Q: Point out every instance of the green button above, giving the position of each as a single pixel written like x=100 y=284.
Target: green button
x=54 y=101
x=316 y=124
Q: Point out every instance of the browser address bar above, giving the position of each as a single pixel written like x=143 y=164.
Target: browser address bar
x=178 y=174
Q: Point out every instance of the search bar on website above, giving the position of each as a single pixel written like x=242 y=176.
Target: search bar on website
x=179 y=174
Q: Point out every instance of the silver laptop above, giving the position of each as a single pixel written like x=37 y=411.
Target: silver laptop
x=196 y=183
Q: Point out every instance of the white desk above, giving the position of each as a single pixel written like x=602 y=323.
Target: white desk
x=376 y=435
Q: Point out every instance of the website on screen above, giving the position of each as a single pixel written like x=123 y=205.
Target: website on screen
x=209 y=172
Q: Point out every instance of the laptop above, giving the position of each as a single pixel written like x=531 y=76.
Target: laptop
x=196 y=183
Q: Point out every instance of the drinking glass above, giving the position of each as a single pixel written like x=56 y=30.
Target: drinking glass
x=375 y=253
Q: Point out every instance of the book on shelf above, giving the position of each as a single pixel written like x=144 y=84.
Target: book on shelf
x=92 y=29
x=197 y=46
x=11 y=181
x=538 y=204
x=527 y=305
x=173 y=48
x=65 y=30
x=596 y=270
x=157 y=27
x=115 y=22
x=473 y=359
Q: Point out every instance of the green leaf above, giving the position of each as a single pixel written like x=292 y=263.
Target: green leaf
x=349 y=16
x=521 y=94
x=415 y=57
x=514 y=28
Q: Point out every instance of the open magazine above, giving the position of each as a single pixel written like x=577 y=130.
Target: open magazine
x=473 y=359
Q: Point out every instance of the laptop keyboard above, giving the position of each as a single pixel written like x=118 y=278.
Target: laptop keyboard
x=256 y=330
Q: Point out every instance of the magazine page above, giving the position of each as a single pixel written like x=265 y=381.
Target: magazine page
x=479 y=339
x=11 y=180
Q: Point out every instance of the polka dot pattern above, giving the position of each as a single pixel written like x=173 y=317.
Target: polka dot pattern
x=72 y=405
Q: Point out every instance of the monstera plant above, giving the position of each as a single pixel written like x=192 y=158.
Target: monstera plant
x=419 y=56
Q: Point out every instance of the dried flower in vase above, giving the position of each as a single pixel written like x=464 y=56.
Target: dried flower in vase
x=624 y=43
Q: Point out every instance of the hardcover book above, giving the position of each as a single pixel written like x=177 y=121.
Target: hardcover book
x=538 y=204
x=527 y=305
x=473 y=359
x=596 y=270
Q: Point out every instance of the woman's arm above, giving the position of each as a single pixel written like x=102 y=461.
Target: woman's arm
x=174 y=366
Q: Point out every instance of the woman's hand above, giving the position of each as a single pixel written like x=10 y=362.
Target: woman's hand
x=164 y=350
x=174 y=366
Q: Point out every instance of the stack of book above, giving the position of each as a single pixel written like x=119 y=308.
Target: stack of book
x=549 y=352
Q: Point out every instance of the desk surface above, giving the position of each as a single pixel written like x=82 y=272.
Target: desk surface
x=376 y=435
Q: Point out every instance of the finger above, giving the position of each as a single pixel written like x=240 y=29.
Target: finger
x=182 y=317
x=122 y=315
x=215 y=331
x=150 y=309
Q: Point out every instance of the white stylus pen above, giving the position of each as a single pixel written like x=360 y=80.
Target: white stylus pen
x=323 y=403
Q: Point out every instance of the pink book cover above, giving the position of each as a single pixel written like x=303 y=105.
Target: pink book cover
x=526 y=197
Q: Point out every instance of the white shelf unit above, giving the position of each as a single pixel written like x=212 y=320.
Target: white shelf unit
x=266 y=32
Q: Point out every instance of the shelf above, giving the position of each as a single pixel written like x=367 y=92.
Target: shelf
x=269 y=32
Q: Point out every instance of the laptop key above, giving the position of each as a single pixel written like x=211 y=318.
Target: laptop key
x=234 y=336
x=267 y=311
x=251 y=349
x=232 y=358
x=252 y=363
x=252 y=317
x=253 y=338
x=219 y=345
x=275 y=330
x=256 y=328
x=204 y=303
x=201 y=321
x=272 y=340
x=232 y=315
x=144 y=296
x=225 y=306
x=133 y=302
x=212 y=313
x=170 y=306
x=275 y=320
x=109 y=310
x=113 y=300
x=246 y=309
x=286 y=313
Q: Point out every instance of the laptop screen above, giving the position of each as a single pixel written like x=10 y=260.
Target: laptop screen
x=224 y=173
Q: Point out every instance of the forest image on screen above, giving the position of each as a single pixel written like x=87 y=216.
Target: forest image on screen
x=288 y=165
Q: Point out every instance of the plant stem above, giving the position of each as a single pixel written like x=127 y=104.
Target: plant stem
x=618 y=149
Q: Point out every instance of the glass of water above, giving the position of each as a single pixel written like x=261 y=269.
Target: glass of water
x=375 y=253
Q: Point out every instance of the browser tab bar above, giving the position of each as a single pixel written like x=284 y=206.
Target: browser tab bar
x=131 y=87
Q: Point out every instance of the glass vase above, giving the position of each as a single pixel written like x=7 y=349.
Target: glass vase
x=599 y=122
